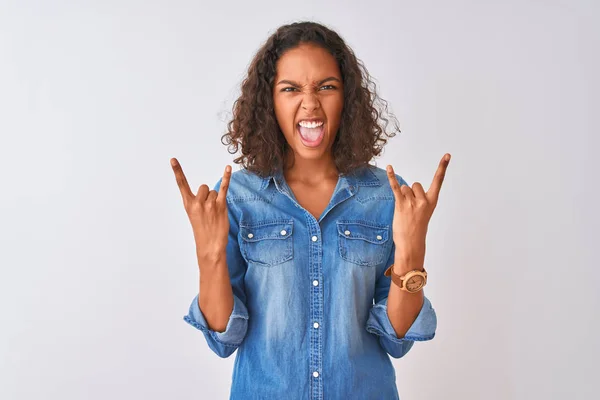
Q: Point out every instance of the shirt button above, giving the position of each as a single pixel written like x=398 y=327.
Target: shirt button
x=379 y=237
x=250 y=235
x=314 y=238
x=316 y=374
x=315 y=283
x=346 y=233
x=283 y=232
x=316 y=325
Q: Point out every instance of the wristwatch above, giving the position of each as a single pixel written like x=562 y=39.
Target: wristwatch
x=411 y=282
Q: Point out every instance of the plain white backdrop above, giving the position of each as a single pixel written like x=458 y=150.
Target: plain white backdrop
x=97 y=260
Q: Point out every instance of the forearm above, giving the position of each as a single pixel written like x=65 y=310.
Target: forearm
x=403 y=307
x=215 y=293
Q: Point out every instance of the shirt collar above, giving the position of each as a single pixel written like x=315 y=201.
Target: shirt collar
x=360 y=176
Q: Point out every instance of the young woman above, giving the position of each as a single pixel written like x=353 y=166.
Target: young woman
x=295 y=248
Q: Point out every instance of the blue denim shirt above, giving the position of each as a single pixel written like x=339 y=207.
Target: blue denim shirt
x=310 y=319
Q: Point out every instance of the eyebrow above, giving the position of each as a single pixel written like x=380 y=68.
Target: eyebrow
x=331 y=78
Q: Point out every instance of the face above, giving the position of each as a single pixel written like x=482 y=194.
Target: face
x=308 y=95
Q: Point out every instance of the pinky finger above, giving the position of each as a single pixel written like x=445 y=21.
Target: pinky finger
x=224 y=184
x=394 y=184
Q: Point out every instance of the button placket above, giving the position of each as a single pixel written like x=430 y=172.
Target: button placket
x=316 y=312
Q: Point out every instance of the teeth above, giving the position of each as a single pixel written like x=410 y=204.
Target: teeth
x=307 y=124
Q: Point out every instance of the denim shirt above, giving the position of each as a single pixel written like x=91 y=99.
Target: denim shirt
x=309 y=319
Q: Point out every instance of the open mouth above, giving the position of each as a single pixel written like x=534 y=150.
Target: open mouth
x=311 y=132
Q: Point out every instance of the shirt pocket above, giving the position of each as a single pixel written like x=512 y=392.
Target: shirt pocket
x=365 y=243
x=267 y=243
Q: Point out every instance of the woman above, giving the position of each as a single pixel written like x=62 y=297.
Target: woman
x=294 y=248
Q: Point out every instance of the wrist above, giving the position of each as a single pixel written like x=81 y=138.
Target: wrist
x=408 y=258
x=211 y=257
x=404 y=265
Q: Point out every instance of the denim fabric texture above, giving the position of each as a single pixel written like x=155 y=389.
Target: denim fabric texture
x=310 y=297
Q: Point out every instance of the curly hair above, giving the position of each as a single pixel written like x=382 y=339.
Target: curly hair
x=253 y=127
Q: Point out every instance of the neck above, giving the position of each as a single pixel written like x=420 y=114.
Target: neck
x=311 y=170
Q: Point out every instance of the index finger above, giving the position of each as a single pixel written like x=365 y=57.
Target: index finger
x=182 y=182
x=438 y=179
x=224 y=185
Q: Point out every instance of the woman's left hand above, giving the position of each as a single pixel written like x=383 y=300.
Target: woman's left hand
x=413 y=210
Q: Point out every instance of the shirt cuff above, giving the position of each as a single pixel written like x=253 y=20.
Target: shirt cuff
x=235 y=330
x=423 y=327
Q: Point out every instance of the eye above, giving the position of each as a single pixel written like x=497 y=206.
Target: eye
x=328 y=86
x=286 y=89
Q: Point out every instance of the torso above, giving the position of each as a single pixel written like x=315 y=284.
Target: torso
x=314 y=200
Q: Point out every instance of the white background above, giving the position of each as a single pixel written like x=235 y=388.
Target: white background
x=97 y=261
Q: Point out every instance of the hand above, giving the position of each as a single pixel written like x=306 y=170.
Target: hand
x=412 y=212
x=207 y=211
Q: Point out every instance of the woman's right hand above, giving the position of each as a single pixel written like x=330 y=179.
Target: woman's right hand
x=207 y=211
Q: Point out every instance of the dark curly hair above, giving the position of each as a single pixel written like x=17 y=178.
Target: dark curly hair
x=253 y=126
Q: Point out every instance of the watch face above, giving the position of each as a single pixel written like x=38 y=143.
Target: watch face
x=415 y=283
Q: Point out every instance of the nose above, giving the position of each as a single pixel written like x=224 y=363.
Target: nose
x=310 y=102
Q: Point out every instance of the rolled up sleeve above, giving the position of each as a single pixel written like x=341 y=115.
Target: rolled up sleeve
x=226 y=342
x=423 y=327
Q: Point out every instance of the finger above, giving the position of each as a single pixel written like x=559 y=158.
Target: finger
x=224 y=185
x=407 y=192
x=203 y=192
x=212 y=196
x=394 y=184
x=438 y=179
x=419 y=192
x=182 y=182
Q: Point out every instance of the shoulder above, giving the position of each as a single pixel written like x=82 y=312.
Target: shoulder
x=243 y=184
x=374 y=182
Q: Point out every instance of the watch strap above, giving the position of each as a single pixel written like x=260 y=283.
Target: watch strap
x=397 y=279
